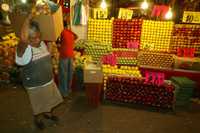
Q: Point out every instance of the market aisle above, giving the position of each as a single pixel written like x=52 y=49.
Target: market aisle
x=77 y=117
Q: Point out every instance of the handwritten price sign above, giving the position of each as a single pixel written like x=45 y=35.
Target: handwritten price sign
x=99 y=13
x=109 y=59
x=154 y=78
x=186 y=52
x=191 y=17
x=125 y=13
x=133 y=45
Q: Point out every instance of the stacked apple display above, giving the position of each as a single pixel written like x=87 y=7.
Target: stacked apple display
x=100 y=30
x=96 y=50
x=156 y=35
x=126 y=31
x=123 y=70
x=134 y=90
x=185 y=36
x=7 y=55
x=161 y=60
x=126 y=56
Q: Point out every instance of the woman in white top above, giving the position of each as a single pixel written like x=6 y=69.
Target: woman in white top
x=37 y=75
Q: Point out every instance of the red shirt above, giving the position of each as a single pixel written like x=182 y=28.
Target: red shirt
x=67 y=44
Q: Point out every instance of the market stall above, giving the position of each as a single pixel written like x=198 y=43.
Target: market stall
x=140 y=53
x=135 y=49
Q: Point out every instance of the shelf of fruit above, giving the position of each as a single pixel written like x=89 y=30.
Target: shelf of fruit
x=100 y=30
x=126 y=31
x=127 y=61
x=126 y=56
x=135 y=90
x=185 y=36
x=7 y=55
x=96 y=50
x=122 y=70
x=161 y=60
x=156 y=35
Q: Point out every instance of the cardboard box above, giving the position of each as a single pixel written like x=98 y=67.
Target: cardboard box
x=17 y=20
x=51 y=26
x=93 y=74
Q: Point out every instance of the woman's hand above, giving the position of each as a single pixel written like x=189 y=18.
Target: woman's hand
x=24 y=36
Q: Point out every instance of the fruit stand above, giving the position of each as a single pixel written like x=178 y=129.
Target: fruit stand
x=139 y=56
x=7 y=56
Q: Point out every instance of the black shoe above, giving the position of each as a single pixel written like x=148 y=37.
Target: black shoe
x=39 y=124
x=52 y=117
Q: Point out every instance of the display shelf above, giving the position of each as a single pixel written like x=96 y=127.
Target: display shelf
x=170 y=69
x=135 y=90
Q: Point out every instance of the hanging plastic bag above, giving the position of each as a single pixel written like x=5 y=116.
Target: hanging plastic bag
x=83 y=15
x=77 y=12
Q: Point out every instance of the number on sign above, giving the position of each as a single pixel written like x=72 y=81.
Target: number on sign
x=154 y=78
x=189 y=19
x=186 y=52
x=134 y=45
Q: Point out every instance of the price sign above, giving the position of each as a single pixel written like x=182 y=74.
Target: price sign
x=99 y=13
x=109 y=59
x=148 y=46
x=154 y=78
x=191 y=17
x=133 y=45
x=186 y=52
x=125 y=13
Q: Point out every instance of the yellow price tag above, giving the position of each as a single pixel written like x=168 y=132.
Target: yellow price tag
x=191 y=17
x=125 y=13
x=99 y=13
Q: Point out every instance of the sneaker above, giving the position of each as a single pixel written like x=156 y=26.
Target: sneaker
x=39 y=124
x=52 y=117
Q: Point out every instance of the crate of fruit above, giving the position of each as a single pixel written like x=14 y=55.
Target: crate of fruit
x=161 y=60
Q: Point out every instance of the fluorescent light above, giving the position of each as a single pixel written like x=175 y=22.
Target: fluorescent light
x=144 y=5
x=103 y=4
x=23 y=1
x=169 y=14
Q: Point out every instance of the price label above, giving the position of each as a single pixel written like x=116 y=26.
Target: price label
x=154 y=78
x=148 y=46
x=99 y=13
x=109 y=59
x=186 y=52
x=191 y=17
x=125 y=13
x=133 y=45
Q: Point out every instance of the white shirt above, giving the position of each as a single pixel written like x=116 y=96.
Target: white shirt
x=32 y=53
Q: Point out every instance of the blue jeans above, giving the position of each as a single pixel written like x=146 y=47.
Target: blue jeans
x=65 y=75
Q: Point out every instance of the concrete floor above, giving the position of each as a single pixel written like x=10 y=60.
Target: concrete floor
x=77 y=116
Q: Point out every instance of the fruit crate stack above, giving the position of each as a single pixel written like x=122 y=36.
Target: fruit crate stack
x=97 y=49
x=161 y=60
x=185 y=36
x=126 y=31
x=134 y=90
x=126 y=56
x=184 y=88
x=156 y=35
x=7 y=56
x=100 y=30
